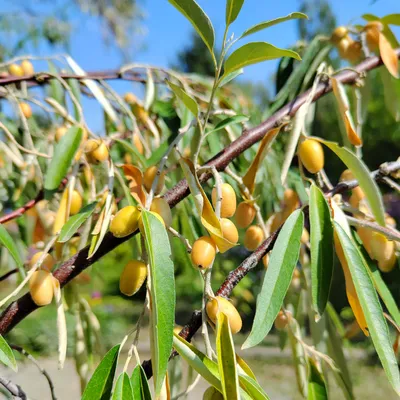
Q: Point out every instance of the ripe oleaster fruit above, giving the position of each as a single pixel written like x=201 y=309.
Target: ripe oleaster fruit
x=132 y=277
x=148 y=178
x=220 y=304
x=229 y=231
x=245 y=214
x=125 y=221
x=41 y=287
x=311 y=155
x=96 y=151
x=282 y=319
x=26 y=109
x=203 y=252
x=76 y=202
x=383 y=250
x=27 y=67
x=228 y=202
x=47 y=264
x=161 y=207
x=253 y=237
x=16 y=70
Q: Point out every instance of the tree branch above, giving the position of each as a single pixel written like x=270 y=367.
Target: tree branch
x=22 y=307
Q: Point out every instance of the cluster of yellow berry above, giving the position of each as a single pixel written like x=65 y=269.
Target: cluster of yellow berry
x=378 y=246
x=350 y=49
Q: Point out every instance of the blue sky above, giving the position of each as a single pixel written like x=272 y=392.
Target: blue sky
x=168 y=31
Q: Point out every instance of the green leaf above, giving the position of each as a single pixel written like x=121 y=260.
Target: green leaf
x=321 y=239
x=381 y=287
x=235 y=119
x=187 y=100
x=391 y=93
x=229 y=77
x=277 y=278
x=56 y=90
x=75 y=222
x=101 y=382
x=335 y=351
x=255 y=52
x=266 y=24
x=64 y=153
x=162 y=294
x=199 y=19
x=140 y=384
x=226 y=358
x=371 y=307
x=123 y=388
x=204 y=366
x=391 y=19
x=233 y=8
x=7 y=241
x=252 y=387
x=134 y=150
x=362 y=174
x=316 y=383
x=7 y=355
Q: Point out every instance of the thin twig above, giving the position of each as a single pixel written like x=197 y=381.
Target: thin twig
x=390 y=233
x=13 y=388
x=7 y=274
x=182 y=238
x=40 y=368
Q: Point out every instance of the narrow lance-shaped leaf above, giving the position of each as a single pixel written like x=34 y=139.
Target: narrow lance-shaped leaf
x=123 y=388
x=235 y=119
x=277 y=279
x=7 y=355
x=100 y=384
x=227 y=358
x=204 y=366
x=140 y=384
x=64 y=153
x=187 y=100
x=7 y=241
x=381 y=287
x=343 y=104
x=362 y=174
x=370 y=304
x=249 y=179
x=199 y=19
x=321 y=234
x=316 y=383
x=75 y=222
x=255 y=52
x=229 y=77
x=162 y=295
x=56 y=90
x=266 y=24
x=233 y=8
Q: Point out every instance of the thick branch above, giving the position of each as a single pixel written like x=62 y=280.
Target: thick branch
x=19 y=309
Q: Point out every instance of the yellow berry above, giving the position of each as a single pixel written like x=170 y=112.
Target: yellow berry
x=229 y=230
x=265 y=261
x=346 y=175
x=383 y=250
x=60 y=132
x=339 y=33
x=41 y=287
x=16 y=70
x=282 y=320
x=290 y=203
x=220 y=304
x=27 y=67
x=125 y=221
x=47 y=264
x=228 y=202
x=76 y=202
x=277 y=221
x=161 y=207
x=354 y=52
x=158 y=216
x=212 y=394
x=365 y=235
x=343 y=46
x=203 y=252
x=96 y=151
x=26 y=109
x=245 y=214
x=130 y=98
x=253 y=237
x=311 y=155
x=148 y=178
x=132 y=277
x=138 y=143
